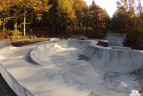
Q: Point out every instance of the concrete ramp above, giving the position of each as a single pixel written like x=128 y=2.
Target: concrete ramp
x=114 y=60
x=71 y=68
x=74 y=43
x=95 y=65
x=111 y=60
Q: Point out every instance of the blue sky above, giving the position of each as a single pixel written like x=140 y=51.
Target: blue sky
x=109 y=5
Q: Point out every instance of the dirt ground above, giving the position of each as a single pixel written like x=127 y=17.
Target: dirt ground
x=23 y=42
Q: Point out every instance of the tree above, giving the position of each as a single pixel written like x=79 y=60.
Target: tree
x=0 y=22
x=32 y=6
x=80 y=7
x=15 y=9
x=120 y=20
x=97 y=18
x=66 y=14
x=5 y=8
x=128 y=19
x=139 y=7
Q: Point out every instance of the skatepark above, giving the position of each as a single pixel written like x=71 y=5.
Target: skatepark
x=60 y=67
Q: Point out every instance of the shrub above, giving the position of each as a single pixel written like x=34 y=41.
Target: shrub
x=14 y=35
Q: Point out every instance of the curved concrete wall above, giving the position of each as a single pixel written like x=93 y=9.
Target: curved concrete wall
x=35 y=57
x=41 y=53
x=11 y=81
x=74 y=43
x=112 y=60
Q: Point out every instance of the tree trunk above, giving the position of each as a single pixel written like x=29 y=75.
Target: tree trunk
x=24 y=26
x=52 y=19
x=3 y=24
x=15 y=25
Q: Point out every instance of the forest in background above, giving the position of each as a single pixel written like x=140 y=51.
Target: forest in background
x=63 y=18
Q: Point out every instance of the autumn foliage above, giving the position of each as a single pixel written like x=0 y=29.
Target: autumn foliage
x=128 y=19
x=64 y=18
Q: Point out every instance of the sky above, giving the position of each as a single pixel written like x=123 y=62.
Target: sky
x=109 y=5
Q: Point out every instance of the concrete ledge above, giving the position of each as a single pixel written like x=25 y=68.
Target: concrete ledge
x=121 y=48
x=79 y=37
x=34 y=56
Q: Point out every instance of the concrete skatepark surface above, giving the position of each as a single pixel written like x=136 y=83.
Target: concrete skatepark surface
x=71 y=68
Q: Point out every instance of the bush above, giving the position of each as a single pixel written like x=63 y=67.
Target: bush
x=14 y=35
